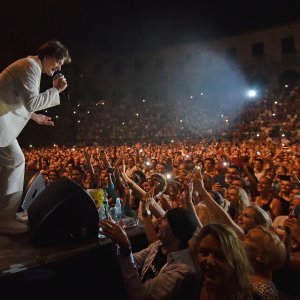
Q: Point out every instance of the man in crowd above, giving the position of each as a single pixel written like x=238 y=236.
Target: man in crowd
x=155 y=272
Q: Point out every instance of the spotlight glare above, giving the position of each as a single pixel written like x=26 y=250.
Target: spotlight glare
x=251 y=93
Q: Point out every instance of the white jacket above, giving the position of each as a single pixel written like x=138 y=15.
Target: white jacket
x=20 y=96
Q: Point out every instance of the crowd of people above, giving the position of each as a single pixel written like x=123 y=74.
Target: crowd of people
x=272 y=114
x=221 y=215
x=215 y=186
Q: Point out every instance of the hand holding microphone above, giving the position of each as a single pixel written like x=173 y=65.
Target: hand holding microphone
x=60 y=82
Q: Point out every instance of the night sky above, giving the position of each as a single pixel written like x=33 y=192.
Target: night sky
x=124 y=26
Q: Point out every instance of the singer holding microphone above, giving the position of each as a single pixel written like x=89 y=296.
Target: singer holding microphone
x=20 y=98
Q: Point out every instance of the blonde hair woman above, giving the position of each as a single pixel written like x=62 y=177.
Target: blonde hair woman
x=222 y=263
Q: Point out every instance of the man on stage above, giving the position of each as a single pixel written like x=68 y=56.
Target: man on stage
x=20 y=98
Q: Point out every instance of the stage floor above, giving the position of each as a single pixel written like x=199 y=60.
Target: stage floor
x=17 y=252
x=77 y=271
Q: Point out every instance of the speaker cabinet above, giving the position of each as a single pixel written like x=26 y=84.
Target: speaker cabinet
x=63 y=213
x=34 y=184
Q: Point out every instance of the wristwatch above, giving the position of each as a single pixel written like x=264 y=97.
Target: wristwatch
x=146 y=213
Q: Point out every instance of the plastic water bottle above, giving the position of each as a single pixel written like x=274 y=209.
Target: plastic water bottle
x=118 y=210
x=103 y=211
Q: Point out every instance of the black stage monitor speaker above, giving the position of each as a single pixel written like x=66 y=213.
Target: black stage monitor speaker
x=63 y=213
x=34 y=184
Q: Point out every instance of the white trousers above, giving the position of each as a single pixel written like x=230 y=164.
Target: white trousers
x=12 y=168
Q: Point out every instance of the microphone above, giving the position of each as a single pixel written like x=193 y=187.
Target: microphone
x=57 y=74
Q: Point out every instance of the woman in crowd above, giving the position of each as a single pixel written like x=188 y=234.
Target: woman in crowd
x=238 y=199
x=266 y=253
x=222 y=264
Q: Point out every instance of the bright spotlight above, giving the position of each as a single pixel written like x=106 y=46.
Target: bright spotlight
x=251 y=93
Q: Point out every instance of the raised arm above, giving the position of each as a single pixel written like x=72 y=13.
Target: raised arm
x=215 y=209
x=188 y=200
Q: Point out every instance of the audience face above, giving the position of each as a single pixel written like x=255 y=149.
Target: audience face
x=77 y=176
x=221 y=260
x=164 y=232
x=232 y=195
x=271 y=173
x=209 y=166
x=103 y=174
x=246 y=219
x=231 y=174
x=160 y=168
x=52 y=177
x=215 y=268
x=295 y=199
x=147 y=186
x=264 y=185
x=238 y=182
x=286 y=187
x=105 y=182
x=258 y=165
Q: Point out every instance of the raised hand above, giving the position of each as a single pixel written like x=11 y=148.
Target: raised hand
x=115 y=232
x=42 y=119
x=60 y=82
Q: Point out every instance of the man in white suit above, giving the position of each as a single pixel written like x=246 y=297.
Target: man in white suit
x=20 y=98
